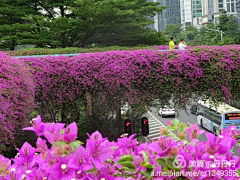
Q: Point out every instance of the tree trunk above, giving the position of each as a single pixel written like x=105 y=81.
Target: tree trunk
x=63 y=113
x=119 y=121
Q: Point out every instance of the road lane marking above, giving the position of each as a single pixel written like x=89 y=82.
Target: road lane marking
x=155 y=134
x=155 y=128
x=156 y=125
x=155 y=131
x=162 y=124
x=189 y=123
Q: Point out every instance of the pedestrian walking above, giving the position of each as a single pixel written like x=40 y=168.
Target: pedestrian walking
x=182 y=45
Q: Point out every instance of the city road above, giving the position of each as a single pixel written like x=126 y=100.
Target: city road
x=156 y=121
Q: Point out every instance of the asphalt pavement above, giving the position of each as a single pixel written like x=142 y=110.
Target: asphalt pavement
x=156 y=121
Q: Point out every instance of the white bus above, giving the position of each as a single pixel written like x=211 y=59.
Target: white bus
x=216 y=119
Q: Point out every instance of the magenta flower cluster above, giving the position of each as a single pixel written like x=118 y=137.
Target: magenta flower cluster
x=139 y=76
x=68 y=159
x=16 y=98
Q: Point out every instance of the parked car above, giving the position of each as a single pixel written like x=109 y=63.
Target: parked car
x=167 y=111
x=195 y=109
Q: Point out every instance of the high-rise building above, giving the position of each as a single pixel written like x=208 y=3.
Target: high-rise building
x=170 y=15
x=191 y=10
x=197 y=8
x=213 y=9
x=186 y=12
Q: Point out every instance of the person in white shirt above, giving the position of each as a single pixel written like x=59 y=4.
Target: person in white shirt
x=182 y=45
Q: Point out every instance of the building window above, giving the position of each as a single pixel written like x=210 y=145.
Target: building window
x=220 y=5
x=197 y=6
x=228 y=7
x=197 y=15
x=228 y=0
x=220 y=1
x=197 y=11
x=232 y=7
x=197 y=2
x=220 y=10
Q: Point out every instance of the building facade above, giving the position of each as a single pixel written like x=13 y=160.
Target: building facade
x=192 y=12
x=214 y=9
x=171 y=15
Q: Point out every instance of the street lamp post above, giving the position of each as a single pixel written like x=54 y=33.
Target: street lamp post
x=220 y=31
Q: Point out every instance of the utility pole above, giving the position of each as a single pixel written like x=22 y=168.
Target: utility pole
x=220 y=31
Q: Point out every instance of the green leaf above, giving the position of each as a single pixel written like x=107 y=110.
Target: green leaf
x=182 y=127
x=114 y=147
x=162 y=163
x=192 y=143
x=175 y=122
x=154 y=153
x=75 y=144
x=61 y=143
x=128 y=164
x=125 y=158
x=62 y=131
x=170 y=128
x=146 y=174
x=147 y=165
x=145 y=156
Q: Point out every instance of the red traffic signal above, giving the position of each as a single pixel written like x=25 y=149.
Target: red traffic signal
x=128 y=127
x=144 y=126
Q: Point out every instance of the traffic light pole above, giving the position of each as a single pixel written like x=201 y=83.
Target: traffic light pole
x=135 y=129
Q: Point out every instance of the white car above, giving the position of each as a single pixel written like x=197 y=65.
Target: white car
x=167 y=111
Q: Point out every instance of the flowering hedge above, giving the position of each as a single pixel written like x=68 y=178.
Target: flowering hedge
x=16 y=98
x=72 y=50
x=165 y=159
x=103 y=80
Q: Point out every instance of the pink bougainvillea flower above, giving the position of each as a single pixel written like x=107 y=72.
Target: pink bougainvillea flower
x=37 y=126
x=83 y=159
x=65 y=169
x=163 y=146
x=26 y=152
x=36 y=175
x=53 y=132
x=70 y=133
x=169 y=123
x=127 y=142
x=193 y=131
x=96 y=150
x=231 y=130
x=225 y=143
x=26 y=157
x=41 y=145
x=5 y=163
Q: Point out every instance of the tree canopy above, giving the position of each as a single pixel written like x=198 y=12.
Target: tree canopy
x=68 y=23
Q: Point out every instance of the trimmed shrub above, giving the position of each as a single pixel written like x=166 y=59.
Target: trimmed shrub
x=16 y=98
x=73 y=50
x=105 y=80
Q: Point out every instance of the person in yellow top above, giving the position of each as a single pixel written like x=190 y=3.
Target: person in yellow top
x=171 y=44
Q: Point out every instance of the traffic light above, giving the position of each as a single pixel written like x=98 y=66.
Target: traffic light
x=144 y=125
x=128 y=127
